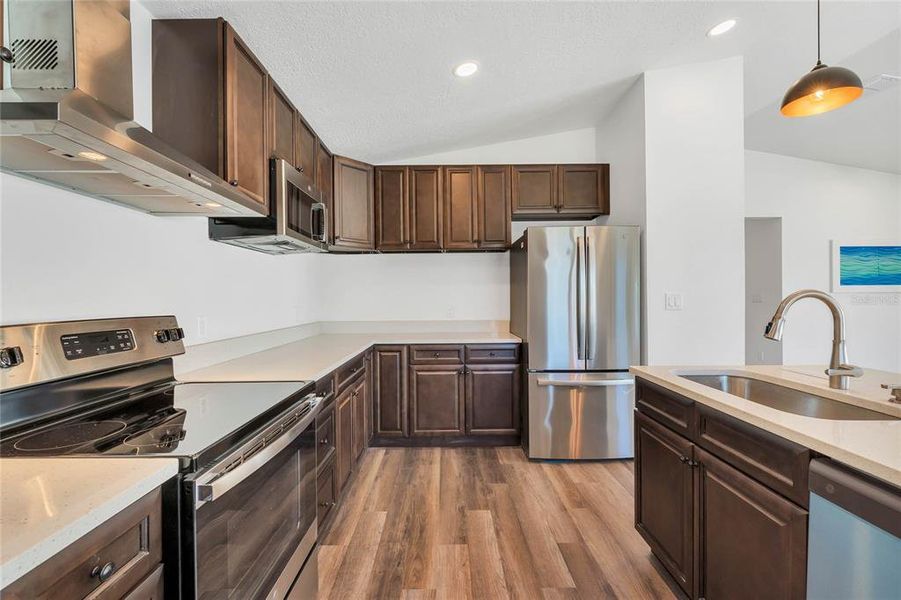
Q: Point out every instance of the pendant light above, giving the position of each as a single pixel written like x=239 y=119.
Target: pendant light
x=823 y=89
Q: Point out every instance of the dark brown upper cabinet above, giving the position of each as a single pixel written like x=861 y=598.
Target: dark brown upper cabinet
x=534 y=189
x=560 y=191
x=493 y=211
x=391 y=209
x=353 y=204
x=460 y=208
x=425 y=190
x=305 y=147
x=246 y=147
x=210 y=101
x=281 y=124
x=583 y=190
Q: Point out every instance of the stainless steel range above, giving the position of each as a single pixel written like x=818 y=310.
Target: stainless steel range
x=240 y=521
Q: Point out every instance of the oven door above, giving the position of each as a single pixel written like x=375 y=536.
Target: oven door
x=255 y=525
x=299 y=212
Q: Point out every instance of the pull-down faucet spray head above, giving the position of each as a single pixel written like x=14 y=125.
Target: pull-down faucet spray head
x=839 y=370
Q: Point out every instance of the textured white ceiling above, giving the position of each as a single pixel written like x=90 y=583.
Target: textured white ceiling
x=374 y=78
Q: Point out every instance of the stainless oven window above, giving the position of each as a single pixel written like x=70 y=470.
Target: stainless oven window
x=245 y=537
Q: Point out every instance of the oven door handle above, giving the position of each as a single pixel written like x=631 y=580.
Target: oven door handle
x=217 y=486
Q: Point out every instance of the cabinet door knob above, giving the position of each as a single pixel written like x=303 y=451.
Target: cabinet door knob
x=5 y=54
x=323 y=441
x=233 y=182
x=436 y=355
x=491 y=354
x=103 y=573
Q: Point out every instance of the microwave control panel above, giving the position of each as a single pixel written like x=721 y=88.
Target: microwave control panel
x=96 y=343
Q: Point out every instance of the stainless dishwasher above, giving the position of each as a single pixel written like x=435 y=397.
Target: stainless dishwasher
x=854 y=543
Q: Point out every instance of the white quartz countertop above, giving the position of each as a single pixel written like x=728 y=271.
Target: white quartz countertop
x=315 y=357
x=48 y=503
x=873 y=447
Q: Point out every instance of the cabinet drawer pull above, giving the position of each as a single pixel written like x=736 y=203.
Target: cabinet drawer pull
x=103 y=573
x=326 y=504
x=436 y=355
x=491 y=354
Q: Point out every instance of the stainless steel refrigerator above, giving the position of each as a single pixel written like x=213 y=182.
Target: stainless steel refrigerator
x=574 y=300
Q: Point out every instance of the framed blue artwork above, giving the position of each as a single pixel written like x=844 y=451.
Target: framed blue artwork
x=866 y=266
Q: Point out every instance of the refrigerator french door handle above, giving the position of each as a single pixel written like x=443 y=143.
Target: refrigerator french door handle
x=589 y=312
x=580 y=325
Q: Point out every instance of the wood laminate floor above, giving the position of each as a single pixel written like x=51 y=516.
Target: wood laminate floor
x=485 y=523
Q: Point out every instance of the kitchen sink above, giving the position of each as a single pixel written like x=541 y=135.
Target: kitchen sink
x=787 y=399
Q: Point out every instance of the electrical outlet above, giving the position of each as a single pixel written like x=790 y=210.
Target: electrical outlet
x=673 y=301
x=756 y=299
x=451 y=313
x=201 y=328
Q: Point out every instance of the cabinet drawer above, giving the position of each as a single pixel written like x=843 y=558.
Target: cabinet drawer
x=665 y=407
x=149 y=589
x=325 y=493
x=347 y=373
x=774 y=461
x=436 y=355
x=325 y=436
x=492 y=353
x=129 y=546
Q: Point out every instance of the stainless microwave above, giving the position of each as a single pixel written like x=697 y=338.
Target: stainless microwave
x=297 y=221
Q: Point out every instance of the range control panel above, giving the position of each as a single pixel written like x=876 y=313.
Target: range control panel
x=95 y=343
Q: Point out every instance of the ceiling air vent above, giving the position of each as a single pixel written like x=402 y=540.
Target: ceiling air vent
x=881 y=83
x=35 y=55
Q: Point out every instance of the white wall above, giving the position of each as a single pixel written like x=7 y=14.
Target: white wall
x=568 y=146
x=763 y=288
x=68 y=256
x=451 y=285
x=695 y=212
x=819 y=202
x=620 y=141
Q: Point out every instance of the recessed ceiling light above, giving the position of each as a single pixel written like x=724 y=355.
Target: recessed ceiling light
x=466 y=69
x=92 y=155
x=721 y=28
x=212 y=204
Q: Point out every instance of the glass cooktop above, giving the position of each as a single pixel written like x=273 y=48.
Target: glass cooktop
x=193 y=421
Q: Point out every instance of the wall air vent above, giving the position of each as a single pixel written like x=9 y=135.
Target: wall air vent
x=881 y=83
x=35 y=54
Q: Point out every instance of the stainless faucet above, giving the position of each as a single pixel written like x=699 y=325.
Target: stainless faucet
x=839 y=370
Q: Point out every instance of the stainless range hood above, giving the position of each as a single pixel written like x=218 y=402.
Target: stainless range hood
x=66 y=114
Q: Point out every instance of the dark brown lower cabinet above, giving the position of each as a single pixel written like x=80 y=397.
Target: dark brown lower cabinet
x=753 y=542
x=389 y=366
x=344 y=437
x=492 y=399
x=436 y=400
x=130 y=543
x=722 y=531
x=327 y=492
x=358 y=396
x=664 y=505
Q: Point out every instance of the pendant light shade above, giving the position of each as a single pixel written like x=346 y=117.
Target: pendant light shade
x=823 y=89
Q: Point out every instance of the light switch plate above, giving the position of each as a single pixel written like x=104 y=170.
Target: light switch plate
x=673 y=301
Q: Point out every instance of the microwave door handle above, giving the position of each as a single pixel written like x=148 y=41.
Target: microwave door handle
x=322 y=224
x=212 y=491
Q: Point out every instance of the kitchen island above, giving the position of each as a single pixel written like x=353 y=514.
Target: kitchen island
x=726 y=483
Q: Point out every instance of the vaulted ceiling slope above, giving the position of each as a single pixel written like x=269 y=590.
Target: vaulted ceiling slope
x=374 y=78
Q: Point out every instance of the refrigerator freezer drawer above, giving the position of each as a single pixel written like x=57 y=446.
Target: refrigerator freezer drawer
x=581 y=415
